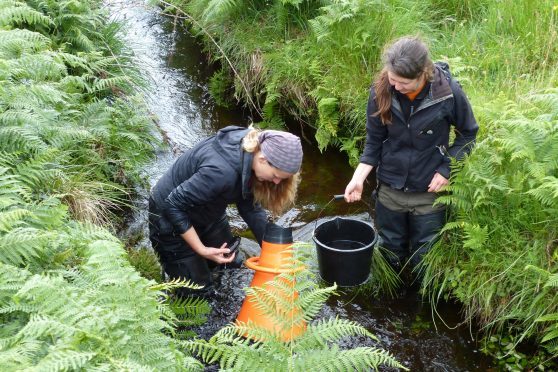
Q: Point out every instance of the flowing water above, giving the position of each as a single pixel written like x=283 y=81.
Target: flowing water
x=178 y=73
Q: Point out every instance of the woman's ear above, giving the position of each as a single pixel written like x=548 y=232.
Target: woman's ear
x=261 y=158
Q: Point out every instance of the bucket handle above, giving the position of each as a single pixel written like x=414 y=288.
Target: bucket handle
x=336 y=197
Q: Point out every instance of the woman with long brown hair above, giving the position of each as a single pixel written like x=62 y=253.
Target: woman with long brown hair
x=412 y=106
x=189 y=228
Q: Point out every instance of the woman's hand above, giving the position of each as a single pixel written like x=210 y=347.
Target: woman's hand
x=353 y=191
x=438 y=183
x=217 y=254
x=214 y=254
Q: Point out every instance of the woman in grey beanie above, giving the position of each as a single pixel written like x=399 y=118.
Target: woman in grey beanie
x=188 y=225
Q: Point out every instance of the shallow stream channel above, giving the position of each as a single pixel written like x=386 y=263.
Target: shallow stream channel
x=178 y=74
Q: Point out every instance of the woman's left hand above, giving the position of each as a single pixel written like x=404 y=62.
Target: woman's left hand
x=438 y=183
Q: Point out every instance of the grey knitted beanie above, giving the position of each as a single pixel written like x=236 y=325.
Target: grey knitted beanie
x=281 y=149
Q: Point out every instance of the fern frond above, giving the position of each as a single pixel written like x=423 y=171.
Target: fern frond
x=552 y=281
x=65 y=307
x=358 y=359
x=333 y=14
x=13 y=279
x=550 y=336
x=542 y=272
x=40 y=172
x=251 y=346
x=37 y=67
x=14 y=43
x=311 y=302
x=73 y=60
x=328 y=114
x=20 y=13
x=189 y=307
x=113 y=82
x=48 y=94
x=219 y=9
x=75 y=84
x=12 y=218
x=324 y=331
x=20 y=355
x=64 y=359
x=22 y=245
x=80 y=40
x=254 y=331
x=12 y=118
x=240 y=357
x=546 y=192
x=13 y=308
x=175 y=283
x=40 y=325
x=274 y=303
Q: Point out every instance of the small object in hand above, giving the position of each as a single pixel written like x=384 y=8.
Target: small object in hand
x=233 y=246
x=339 y=197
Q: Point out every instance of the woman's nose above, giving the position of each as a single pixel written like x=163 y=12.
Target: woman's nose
x=277 y=180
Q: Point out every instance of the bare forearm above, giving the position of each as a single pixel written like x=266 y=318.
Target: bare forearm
x=361 y=172
x=191 y=237
x=216 y=254
x=353 y=191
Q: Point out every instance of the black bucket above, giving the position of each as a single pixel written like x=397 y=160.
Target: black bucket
x=345 y=249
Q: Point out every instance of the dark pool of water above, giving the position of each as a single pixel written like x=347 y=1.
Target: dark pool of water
x=178 y=72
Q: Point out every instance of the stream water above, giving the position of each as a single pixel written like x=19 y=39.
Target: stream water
x=178 y=73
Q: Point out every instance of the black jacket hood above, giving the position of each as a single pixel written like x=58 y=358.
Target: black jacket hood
x=228 y=144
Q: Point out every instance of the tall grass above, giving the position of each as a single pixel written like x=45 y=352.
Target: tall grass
x=511 y=46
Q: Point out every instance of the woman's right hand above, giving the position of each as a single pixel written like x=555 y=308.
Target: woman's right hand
x=210 y=253
x=353 y=191
x=218 y=254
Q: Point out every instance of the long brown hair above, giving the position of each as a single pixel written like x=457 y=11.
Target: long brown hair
x=407 y=57
x=274 y=197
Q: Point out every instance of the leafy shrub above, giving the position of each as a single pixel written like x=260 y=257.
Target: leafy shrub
x=504 y=201
x=71 y=143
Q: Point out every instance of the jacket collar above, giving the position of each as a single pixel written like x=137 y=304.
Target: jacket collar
x=246 y=161
x=439 y=91
x=228 y=144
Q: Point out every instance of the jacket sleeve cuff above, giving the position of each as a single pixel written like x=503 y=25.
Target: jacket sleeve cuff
x=182 y=228
x=180 y=220
x=444 y=170
x=369 y=160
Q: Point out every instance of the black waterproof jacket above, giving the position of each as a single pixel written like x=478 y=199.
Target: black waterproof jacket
x=203 y=181
x=409 y=152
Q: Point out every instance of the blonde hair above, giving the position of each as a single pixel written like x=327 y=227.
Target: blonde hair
x=274 y=197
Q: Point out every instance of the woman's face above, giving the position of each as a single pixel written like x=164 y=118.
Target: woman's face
x=264 y=171
x=404 y=85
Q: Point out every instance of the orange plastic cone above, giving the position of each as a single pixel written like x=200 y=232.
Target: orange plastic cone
x=276 y=251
